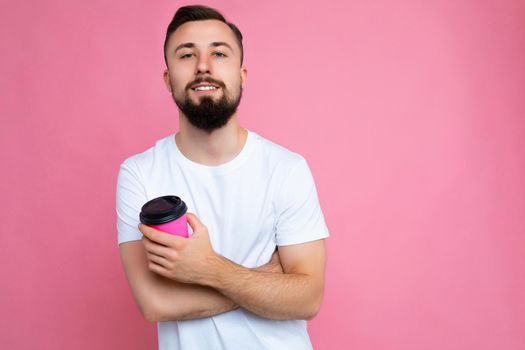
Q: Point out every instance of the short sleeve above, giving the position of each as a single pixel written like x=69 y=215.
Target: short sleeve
x=130 y=198
x=299 y=215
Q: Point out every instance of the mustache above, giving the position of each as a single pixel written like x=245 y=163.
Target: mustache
x=205 y=80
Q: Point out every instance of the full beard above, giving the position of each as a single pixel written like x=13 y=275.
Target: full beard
x=209 y=115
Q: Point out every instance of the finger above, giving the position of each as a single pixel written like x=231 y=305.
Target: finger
x=275 y=256
x=194 y=221
x=158 y=269
x=156 y=235
x=159 y=260
x=155 y=248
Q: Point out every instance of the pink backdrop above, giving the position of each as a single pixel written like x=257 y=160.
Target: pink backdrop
x=411 y=116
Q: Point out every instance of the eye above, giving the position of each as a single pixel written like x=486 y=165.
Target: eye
x=187 y=55
x=219 y=54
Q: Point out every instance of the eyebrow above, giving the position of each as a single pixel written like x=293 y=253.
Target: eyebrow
x=213 y=44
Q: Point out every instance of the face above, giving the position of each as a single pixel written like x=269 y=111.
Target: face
x=204 y=72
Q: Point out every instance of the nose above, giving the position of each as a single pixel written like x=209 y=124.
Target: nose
x=203 y=65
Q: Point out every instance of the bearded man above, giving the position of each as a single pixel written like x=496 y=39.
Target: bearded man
x=252 y=271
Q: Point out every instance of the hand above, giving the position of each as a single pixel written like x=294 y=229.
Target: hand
x=274 y=265
x=174 y=257
x=275 y=262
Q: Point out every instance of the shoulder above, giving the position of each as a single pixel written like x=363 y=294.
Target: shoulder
x=277 y=157
x=146 y=159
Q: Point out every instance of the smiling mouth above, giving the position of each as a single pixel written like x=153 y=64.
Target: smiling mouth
x=204 y=88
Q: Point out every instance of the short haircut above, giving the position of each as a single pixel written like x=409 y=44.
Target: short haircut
x=199 y=13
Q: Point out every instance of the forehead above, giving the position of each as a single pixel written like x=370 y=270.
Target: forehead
x=202 y=33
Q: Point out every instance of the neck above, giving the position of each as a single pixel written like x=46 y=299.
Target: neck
x=215 y=148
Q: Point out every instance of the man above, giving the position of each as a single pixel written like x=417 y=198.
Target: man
x=252 y=271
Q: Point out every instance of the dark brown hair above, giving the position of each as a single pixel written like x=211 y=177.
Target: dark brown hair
x=198 y=13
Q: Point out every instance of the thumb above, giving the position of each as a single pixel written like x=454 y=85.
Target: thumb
x=194 y=221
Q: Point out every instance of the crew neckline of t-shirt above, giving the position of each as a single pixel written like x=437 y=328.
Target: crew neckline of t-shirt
x=215 y=169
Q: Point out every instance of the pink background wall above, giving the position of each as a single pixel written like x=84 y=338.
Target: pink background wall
x=411 y=116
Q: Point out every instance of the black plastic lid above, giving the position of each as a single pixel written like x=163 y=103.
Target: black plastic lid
x=162 y=210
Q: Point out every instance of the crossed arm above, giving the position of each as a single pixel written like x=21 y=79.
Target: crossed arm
x=174 y=278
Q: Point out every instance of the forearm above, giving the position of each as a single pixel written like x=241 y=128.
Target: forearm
x=161 y=299
x=267 y=294
x=180 y=301
x=174 y=301
x=297 y=294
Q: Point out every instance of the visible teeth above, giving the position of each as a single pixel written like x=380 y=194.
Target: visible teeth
x=205 y=88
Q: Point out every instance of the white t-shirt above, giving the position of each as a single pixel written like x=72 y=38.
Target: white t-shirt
x=263 y=198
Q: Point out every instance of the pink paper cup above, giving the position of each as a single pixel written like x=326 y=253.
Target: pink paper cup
x=166 y=214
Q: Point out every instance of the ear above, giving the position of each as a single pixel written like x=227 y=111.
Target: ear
x=244 y=76
x=167 y=81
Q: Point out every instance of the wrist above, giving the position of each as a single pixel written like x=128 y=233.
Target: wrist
x=216 y=267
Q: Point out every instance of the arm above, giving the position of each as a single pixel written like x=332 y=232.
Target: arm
x=159 y=298
x=162 y=299
x=296 y=294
